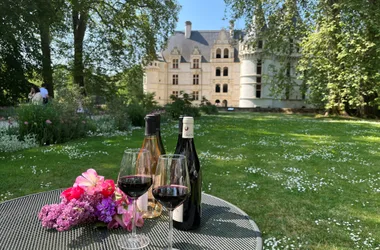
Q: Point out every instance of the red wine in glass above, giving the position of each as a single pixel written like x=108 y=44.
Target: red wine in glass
x=170 y=196
x=134 y=185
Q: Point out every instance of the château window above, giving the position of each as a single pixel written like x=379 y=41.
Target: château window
x=225 y=103
x=175 y=63
x=217 y=102
x=258 y=79
x=217 y=73
x=196 y=79
x=175 y=93
x=217 y=88
x=225 y=54
x=258 y=91
x=225 y=88
x=175 y=79
x=258 y=69
x=225 y=71
x=195 y=95
x=196 y=63
x=218 y=53
x=260 y=44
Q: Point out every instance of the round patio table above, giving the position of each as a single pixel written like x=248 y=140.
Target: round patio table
x=224 y=226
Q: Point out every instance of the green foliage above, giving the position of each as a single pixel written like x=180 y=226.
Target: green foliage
x=207 y=107
x=52 y=123
x=332 y=46
x=181 y=106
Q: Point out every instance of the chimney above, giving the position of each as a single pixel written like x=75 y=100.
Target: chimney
x=187 y=29
x=232 y=23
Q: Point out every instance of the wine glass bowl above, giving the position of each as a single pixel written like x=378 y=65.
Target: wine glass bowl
x=135 y=178
x=171 y=185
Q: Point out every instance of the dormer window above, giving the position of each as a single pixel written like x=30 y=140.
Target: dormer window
x=175 y=63
x=218 y=53
x=225 y=54
x=196 y=63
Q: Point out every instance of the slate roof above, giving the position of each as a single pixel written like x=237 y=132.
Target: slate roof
x=203 y=39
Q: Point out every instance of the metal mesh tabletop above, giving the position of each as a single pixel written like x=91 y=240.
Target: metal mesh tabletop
x=224 y=226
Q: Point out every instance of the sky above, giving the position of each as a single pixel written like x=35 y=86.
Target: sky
x=204 y=15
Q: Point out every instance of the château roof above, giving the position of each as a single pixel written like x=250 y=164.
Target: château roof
x=204 y=40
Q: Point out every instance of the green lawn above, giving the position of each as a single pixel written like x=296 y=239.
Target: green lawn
x=308 y=183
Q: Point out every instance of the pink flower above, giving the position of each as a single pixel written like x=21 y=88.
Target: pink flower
x=90 y=181
x=48 y=122
x=72 y=193
x=26 y=123
x=108 y=187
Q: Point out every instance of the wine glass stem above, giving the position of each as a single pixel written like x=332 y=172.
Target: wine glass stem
x=134 y=218
x=170 y=247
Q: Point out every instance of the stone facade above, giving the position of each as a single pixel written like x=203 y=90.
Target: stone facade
x=214 y=64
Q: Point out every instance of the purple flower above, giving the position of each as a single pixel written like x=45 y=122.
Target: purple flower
x=106 y=209
x=26 y=123
x=48 y=122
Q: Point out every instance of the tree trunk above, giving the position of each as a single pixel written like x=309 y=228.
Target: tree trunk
x=45 y=21
x=47 y=71
x=79 y=29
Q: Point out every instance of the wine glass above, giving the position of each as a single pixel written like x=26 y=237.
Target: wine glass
x=171 y=185
x=135 y=178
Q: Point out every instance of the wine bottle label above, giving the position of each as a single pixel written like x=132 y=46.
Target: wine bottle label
x=188 y=127
x=178 y=214
x=142 y=202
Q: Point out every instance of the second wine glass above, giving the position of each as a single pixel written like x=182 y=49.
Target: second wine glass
x=171 y=185
x=135 y=178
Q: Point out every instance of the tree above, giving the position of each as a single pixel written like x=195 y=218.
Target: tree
x=119 y=33
x=339 y=49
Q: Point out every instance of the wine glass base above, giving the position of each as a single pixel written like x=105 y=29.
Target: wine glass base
x=137 y=242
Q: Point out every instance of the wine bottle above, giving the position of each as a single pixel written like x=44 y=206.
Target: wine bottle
x=188 y=215
x=180 y=127
x=158 y=133
x=146 y=203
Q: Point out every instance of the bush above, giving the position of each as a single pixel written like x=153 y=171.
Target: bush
x=9 y=140
x=181 y=106
x=52 y=123
x=207 y=107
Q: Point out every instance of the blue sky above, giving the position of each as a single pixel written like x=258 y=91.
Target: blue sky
x=204 y=15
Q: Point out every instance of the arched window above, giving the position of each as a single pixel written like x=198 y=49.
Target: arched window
x=225 y=71
x=217 y=73
x=217 y=102
x=218 y=53
x=217 y=88
x=225 y=54
x=225 y=88
x=225 y=103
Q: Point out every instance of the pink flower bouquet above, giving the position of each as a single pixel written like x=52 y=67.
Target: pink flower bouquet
x=91 y=199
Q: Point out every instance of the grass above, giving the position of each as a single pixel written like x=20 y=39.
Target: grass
x=308 y=182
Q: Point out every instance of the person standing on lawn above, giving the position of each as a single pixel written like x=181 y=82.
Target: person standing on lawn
x=44 y=93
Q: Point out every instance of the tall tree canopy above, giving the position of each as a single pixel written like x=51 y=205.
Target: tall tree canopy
x=95 y=39
x=339 y=45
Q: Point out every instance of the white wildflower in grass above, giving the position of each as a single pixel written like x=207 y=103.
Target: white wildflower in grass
x=45 y=185
x=360 y=238
x=5 y=196
x=73 y=151
x=247 y=186
x=272 y=243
